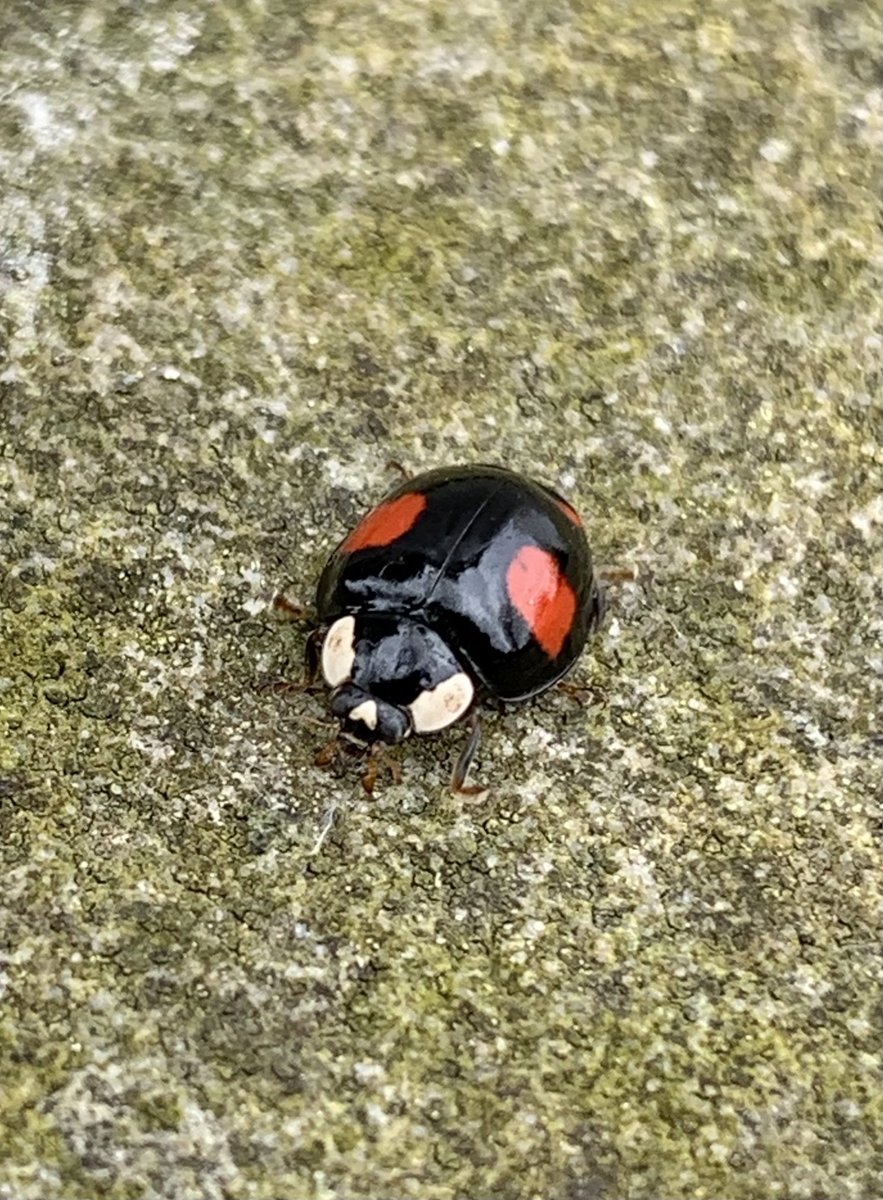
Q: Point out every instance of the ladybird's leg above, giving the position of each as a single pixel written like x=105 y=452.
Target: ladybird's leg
x=285 y=687
x=378 y=756
x=290 y=609
x=369 y=775
x=617 y=574
x=279 y=687
x=327 y=754
x=299 y=613
x=393 y=465
x=393 y=767
x=312 y=656
x=576 y=691
x=461 y=768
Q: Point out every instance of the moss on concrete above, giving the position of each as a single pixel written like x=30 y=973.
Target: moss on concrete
x=248 y=256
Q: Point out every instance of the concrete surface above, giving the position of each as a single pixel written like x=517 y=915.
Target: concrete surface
x=250 y=252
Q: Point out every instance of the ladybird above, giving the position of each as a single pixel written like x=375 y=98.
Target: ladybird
x=464 y=583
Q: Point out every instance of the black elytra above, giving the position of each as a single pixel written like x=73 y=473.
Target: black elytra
x=463 y=582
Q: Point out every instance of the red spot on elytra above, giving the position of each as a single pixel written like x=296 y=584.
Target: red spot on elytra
x=387 y=522
x=542 y=595
x=569 y=511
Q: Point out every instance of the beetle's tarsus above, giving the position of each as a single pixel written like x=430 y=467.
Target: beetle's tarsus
x=461 y=769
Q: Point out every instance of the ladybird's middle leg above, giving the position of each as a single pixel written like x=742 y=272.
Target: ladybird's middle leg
x=312 y=654
x=461 y=768
x=327 y=754
x=614 y=575
x=290 y=609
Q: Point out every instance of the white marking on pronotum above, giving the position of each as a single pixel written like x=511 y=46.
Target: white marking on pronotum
x=339 y=651
x=366 y=712
x=441 y=706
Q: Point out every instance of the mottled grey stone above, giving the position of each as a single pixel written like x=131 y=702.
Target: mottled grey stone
x=249 y=252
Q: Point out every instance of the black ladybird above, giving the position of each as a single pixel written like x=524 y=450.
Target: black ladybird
x=463 y=582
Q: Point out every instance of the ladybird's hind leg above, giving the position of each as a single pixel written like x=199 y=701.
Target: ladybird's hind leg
x=393 y=464
x=614 y=575
x=580 y=690
x=461 y=768
x=606 y=579
x=575 y=691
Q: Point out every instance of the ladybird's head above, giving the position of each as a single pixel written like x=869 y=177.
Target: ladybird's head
x=365 y=719
x=391 y=676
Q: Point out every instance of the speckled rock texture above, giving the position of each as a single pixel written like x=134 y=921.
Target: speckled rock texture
x=251 y=251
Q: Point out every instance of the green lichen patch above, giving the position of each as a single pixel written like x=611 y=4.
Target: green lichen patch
x=249 y=255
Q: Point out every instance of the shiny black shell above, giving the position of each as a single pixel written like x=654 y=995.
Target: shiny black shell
x=496 y=564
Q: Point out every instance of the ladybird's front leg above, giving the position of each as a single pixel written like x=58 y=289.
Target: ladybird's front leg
x=369 y=775
x=377 y=757
x=461 y=769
